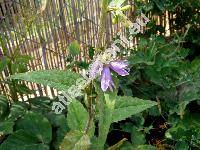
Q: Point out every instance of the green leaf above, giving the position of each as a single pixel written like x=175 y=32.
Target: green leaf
x=17 y=110
x=4 y=107
x=23 y=89
x=160 y=4
x=146 y=56
x=58 y=79
x=75 y=140
x=187 y=129
x=74 y=48
x=60 y=123
x=181 y=145
x=20 y=63
x=137 y=137
x=40 y=104
x=37 y=125
x=91 y=52
x=22 y=140
x=3 y=63
x=6 y=127
x=77 y=116
x=127 y=106
x=82 y=64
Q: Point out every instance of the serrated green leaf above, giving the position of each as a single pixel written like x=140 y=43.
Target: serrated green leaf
x=37 y=125
x=6 y=127
x=40 y=104
x=23 y=89
x=17 y=110
x=75 y=140
x=58 y=79
x=77 y=116
x=127 y=106
x=22 y=140
x=4 y=107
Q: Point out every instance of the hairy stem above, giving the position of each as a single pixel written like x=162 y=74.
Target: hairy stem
x=91 y=114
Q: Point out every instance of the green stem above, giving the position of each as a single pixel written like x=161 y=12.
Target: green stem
x=90 y=111
x=105 y=120
x=102 y=26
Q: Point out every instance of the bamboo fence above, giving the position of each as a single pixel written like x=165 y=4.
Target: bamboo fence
x=44 y=33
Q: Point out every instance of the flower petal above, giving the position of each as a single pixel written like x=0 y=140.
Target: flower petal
x=111 y=85
x=95 y=69
x=121 y=72
x=119 y=67
x=106 y=79
x=119 y=64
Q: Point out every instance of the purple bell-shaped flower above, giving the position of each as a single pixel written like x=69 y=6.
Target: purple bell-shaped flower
x=119 y=67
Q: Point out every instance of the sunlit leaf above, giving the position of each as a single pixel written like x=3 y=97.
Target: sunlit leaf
x=75 y=140
x=58 y=79
x=77 y=116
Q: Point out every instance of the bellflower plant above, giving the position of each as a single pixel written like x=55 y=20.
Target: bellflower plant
x=88 y=108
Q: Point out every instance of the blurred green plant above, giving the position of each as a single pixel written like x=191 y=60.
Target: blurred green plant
x=13 y=63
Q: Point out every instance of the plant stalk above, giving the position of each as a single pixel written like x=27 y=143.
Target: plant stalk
x=102 y=25
x=91 y=114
